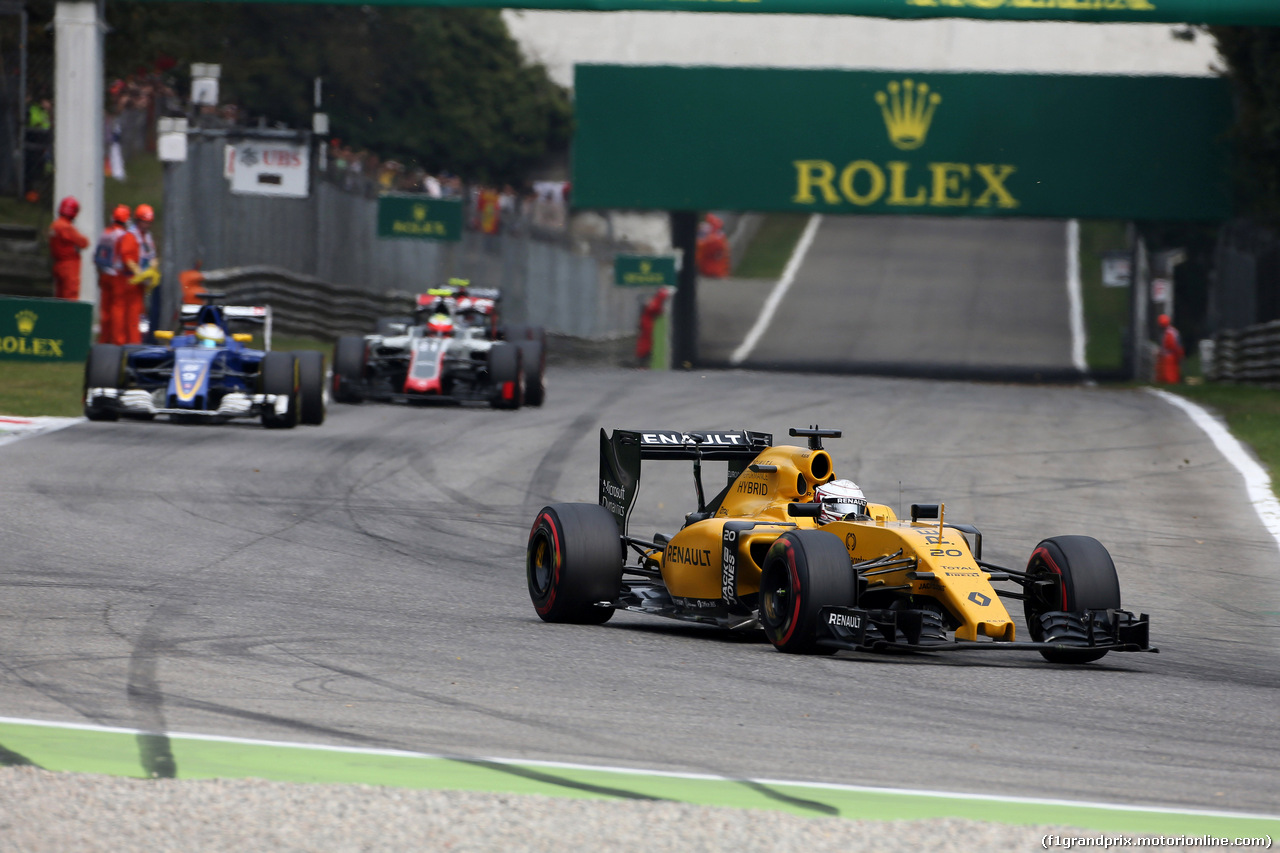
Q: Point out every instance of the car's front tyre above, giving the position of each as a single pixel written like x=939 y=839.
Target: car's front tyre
x=804 y=571
x=103 y=369
x=1069 y=575
x=280 y=378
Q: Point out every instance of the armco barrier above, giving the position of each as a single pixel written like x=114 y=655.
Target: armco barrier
x=305 y=305
x=1251 y=355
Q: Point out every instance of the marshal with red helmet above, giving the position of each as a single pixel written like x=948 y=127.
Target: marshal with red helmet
x=453 y=349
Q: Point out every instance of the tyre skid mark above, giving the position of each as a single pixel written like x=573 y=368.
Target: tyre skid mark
x=546 y=476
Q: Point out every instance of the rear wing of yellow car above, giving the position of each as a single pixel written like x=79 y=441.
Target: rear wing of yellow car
x=622 y=453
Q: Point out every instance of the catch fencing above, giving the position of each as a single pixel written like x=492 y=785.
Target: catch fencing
x=324 y=247
x=1246 y=287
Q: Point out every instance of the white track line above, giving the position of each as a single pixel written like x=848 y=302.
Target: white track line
x=14 y=428
x=664 y=774
x=779 y=290
x=1257 y=482
x=1079 y=334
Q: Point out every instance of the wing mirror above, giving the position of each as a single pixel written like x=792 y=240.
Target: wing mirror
x=919 y=511
x=243 y=337
x=163 y=335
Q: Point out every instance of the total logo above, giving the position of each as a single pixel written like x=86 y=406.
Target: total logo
x=907 y=108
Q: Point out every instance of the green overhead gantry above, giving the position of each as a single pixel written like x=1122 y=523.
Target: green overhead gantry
x=1242 y=12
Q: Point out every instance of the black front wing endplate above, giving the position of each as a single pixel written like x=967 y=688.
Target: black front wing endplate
x=857 y=629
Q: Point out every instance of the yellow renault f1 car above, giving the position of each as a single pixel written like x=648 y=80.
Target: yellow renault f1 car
x=756 y=556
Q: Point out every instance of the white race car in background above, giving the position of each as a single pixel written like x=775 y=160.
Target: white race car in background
x=451 y=350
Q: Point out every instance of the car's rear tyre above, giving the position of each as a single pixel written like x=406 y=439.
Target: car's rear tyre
x=535 y=372
x=1070 y=574
x=103 y=369
x=506 y=373
x=311 y=396
x=393 y=325
x=574 y=562
x=348 y=369
x=280 y=377
x=804 y=571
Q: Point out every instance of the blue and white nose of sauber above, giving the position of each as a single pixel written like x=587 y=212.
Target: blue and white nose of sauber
x=189 y=385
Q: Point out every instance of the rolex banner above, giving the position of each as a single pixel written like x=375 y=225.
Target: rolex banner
x=419 y=217
x=44 y=329
x=932 y=143
x=1239 y=12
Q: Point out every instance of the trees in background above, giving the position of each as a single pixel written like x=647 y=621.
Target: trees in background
x=442 y=88
x=1252 y=59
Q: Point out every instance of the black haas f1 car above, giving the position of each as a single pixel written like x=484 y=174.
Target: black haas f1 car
x=206 y=373
x=451 y=350
x=756 y=556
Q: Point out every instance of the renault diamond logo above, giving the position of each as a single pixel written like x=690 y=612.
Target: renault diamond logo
x=979 y=599
x=908 y=110
x=26 y=321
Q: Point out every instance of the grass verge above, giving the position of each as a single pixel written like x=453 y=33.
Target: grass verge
x=771 y=248
x=1252 y=414
x=41 y=388
x=144 y=185
x=53 y=388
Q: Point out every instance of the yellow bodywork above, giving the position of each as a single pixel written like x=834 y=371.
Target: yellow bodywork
x=958 y=582
x=691 y=561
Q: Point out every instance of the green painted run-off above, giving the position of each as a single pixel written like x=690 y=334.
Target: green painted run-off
x=123 y=753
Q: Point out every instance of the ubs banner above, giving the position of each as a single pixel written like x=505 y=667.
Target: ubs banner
x=44 y=329
x=935 y=143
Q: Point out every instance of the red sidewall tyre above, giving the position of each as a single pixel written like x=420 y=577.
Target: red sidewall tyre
x=574 y=562
x=804 y=571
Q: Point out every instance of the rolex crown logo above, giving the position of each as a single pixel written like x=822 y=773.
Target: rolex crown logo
x=26 y=321
x=908 y=109
x=419 y=212
x=644 y=267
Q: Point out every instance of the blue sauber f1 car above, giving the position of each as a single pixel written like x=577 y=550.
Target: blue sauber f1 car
x=206 y=373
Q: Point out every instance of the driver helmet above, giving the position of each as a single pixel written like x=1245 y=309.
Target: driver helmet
x=210 y=335
x=440 y=324
x=839 y=498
